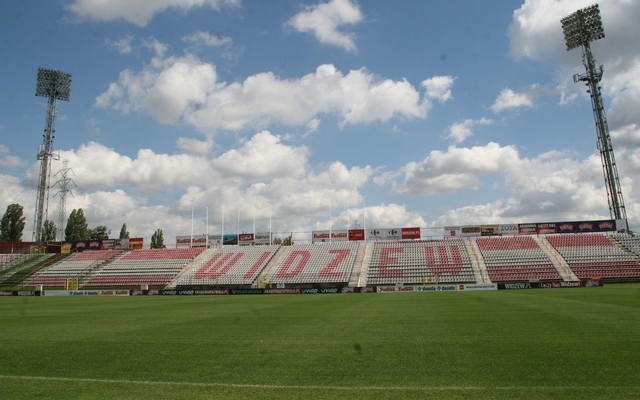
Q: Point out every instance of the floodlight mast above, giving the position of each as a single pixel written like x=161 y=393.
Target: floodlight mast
x=580 y=29
x=55 y=85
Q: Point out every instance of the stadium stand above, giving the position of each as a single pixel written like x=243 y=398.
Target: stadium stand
x=77 y=265
x=226 y=266
x=596 y=256
x=631 y=243
x=153 y=267
x=322 y=263
x=516 y=258
x=9 y=260
x=420 y=261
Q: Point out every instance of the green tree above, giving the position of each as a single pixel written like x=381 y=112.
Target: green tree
x=12 y=223
x=287 y=241
x=77 y=228
x=157 y=240
x=100 y=232
x=124 y=233
x=48 y=231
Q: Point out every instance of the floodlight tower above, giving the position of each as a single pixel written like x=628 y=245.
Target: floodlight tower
x=580 y=29
x=55 y=85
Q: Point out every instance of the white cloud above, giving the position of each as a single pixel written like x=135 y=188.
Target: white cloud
x=264 y=156
x=195 y=146
x=185 y=89
x=203 y=38
x=439 y=87
x=178 y=86
x=508 y=99
x=138 y=12
x=9 y=161
x=158 y=48
x=122 y=45
x=382 y=216
x=260 y=177
x=460 y=131
x=536 y=33
x=324 y=21
x=457 y=168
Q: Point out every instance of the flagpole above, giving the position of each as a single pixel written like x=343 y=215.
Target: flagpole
x=191 y=240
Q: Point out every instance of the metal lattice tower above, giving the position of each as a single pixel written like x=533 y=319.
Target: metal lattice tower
x=54 y=85
x=65 y=185
x=580 y=29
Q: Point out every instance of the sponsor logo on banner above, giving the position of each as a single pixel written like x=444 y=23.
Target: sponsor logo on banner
x=470 y=231
x=566 y=227
x=356 y=234
x=546 y=228
x=490 y=230
x=509 y=229
x=230 y=239
x=186 y=241
x=245 y=239
x=527 y=229
x=410 y=233
x=384 y=234
x=136 y=243
x=607 y=225
x=453 y=231
x=336 y=236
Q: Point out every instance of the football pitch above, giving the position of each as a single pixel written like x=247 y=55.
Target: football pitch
x=530 y=344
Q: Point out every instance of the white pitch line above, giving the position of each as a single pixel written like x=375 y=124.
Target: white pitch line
x=311 y=387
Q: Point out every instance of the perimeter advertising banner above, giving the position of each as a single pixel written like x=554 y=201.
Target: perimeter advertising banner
x=356 y=234
x=410 y=233
x=384 y=234
x=136 y=243
x=538 y=228
x=340 y=235
x=187 y=241
x=230 y=239
x=245 y=239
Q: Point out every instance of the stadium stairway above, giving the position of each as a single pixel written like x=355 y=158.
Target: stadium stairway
x=477 y=262
x=261 y=279
x=558 y=262
x=87 y=274
x=187 y=267
x=364 y=264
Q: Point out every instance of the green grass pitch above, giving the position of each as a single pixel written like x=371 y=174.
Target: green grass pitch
x=530 y=344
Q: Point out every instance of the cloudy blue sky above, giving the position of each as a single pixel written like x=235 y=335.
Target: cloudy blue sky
x=317 y=113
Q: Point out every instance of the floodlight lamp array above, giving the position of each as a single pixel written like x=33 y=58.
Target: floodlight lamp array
x=53 y=84
x=582 y=27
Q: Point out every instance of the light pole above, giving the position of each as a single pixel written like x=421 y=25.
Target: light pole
x=580 y=29
x=55 y=85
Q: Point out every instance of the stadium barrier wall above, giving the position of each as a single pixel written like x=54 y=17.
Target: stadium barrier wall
x=454 y=287
x=119 y=292
x=549 y=285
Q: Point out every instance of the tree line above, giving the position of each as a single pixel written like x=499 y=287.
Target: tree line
x=77 y=229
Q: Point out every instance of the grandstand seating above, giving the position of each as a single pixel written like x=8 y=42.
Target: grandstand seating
x=229 y=265
x=596 y=256
x=631 y=243
x=321 y=263
x=516 y=258
x=77 y=265
x=9 y=260
x=153 y=267
x=420 y=261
